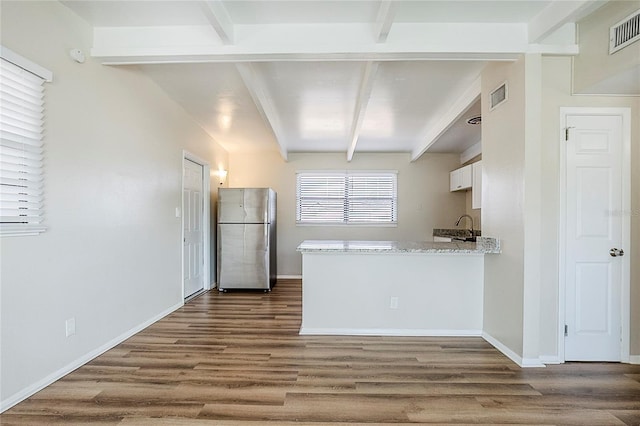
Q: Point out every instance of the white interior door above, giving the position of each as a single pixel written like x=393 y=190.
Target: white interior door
x=593 y=226
x=192 y=215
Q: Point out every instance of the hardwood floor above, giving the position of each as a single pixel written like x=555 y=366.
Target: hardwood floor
x=236 y=358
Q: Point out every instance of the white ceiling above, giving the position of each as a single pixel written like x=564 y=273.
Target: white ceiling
x=311 y=76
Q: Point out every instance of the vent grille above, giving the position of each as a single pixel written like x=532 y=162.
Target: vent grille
x=624 y=32
x=498 y=96
x=475 y=120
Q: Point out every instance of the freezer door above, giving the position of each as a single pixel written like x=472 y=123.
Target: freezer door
x=243 y=205
x=243 y=256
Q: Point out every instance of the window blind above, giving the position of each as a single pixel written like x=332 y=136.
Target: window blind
x=21 y=147
x=346 y=198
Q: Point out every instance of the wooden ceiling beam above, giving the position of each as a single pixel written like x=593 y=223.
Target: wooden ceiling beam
x=557 y=14
x=364 y=94
x=262 y=100
x=219 y=19
x=314 y=42
x=384 y=20
x=446 y=120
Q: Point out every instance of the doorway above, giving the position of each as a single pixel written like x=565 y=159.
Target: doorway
x=595 y=234
x=195 y=226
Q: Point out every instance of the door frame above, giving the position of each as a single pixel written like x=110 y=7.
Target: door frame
x=625 y=290
x=206 y=219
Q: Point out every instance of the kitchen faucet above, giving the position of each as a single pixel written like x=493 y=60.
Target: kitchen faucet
x=470 y=218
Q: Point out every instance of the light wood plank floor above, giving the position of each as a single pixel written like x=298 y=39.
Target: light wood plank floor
x=237 y=358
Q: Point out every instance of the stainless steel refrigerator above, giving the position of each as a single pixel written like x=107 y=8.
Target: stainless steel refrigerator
x=246 y=238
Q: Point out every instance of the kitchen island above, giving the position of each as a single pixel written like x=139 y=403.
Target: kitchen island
x=393 y=287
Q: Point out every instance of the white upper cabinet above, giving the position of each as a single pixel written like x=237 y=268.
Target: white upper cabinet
x=476 y=190
x=461 y=179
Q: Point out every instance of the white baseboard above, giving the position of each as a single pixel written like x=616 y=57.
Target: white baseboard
x=289 y=277
x=634 y=359
x=388 y=332
x=522 y=362
x=27 y=392
x=550 y=359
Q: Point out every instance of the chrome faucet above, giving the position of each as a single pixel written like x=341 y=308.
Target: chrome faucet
x=470 y=218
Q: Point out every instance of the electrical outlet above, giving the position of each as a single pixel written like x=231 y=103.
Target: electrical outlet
x=393 y=303
x=70 y=326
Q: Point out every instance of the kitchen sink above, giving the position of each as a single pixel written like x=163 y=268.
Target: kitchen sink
x=450 y=238
x=468 y=239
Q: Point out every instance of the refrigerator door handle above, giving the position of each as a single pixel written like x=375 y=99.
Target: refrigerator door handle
x=266 y=233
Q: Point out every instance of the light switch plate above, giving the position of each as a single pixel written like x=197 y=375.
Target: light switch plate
x=70 y=326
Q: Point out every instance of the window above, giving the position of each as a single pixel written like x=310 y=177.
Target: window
x=21 y=147
x=347 y=198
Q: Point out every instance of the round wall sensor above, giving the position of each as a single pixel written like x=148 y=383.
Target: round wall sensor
x=77 y=55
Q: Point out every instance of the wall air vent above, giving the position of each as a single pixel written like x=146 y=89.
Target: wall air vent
x=624 y=32
x=498 y=96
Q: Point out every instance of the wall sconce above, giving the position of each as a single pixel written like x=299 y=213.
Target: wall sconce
x=222 y=176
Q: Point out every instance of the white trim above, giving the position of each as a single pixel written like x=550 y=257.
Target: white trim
x=472 y=152
x=289 y=277
x=634 y=359
x=550 y=359
x=41 y=384
x=522 y=362
x=206 y=216
x=625 y=299
x=25 y=64
x=389 y=332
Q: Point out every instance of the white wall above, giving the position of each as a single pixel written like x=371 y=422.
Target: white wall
x=424 y=200
x=111 y=257
x=557 y=93
x=503 y=198
x=597 y=72
x=521 y=166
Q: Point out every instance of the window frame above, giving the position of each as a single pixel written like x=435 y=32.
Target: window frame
x=18 y=65
x=347 y=176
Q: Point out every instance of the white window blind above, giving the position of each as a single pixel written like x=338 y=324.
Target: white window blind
x=21 y=149
x=347 y=198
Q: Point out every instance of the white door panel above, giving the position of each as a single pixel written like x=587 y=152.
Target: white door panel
x=193 y=261
x=593 y=277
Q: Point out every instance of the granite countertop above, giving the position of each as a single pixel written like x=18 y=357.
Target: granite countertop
x=484 y=245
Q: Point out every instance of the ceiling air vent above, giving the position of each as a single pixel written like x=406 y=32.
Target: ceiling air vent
x=498 y=96
x=475 y=120
x=624 y=32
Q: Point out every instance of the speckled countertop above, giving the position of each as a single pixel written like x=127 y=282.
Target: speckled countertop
x=484 y=245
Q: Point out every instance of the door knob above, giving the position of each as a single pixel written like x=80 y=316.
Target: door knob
x=614 y=252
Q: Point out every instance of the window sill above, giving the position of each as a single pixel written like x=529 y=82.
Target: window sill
x=19 y=230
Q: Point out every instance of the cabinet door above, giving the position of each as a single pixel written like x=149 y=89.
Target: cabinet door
x=460 y=179
x=476 y=189
x=466 y=176
x=454 y=180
